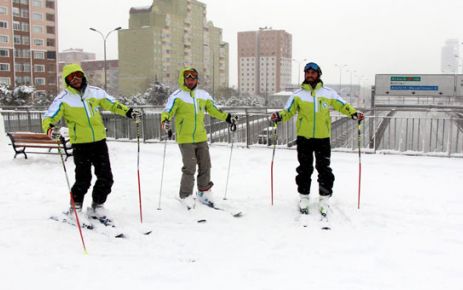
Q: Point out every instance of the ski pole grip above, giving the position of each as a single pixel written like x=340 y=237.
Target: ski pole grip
x=169 y=134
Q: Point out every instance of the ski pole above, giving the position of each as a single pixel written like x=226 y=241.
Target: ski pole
x=169 y=135
x=232 y=129
x=73 y=204
x=137 y=122
x=360 y=160
x=275 y=126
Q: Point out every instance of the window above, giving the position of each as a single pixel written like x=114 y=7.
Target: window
x=6 y=81
x=38 y=42
x=39 y=68
x=22 y=53
x=16 y=25
x=4 y=66
x=50 y=4
x=39 y=81
x=50 y=42
x=16 y=11
x=24 y=13
x=4 y=52
x=3 y=24
x=50 y=29
x=24 y=26
x=39 y=54
x=3 y=10
x=17 y=39
x=51 y=54
x=25 y=40
x=50 y=17
x=37 y=28
x=37 y=16
x=3 y=38
x=37 y=3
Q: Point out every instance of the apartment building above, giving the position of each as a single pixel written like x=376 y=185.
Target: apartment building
x=164 y=37
x=264 y=61
x=29 y=44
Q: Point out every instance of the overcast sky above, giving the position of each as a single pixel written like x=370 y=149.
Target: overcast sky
x=369 y=36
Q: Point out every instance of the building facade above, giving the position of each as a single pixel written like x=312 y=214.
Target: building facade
x=450 y=56
x=75 y=55
x=29 y=44
x=264 y=61
x=166 y=36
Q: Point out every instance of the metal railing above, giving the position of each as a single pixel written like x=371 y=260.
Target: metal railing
x=417 y=133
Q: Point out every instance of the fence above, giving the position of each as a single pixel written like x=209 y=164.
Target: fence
x=415 y=133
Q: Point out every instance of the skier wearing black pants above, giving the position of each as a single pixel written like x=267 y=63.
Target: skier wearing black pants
x=79 y=104
x=312 y=105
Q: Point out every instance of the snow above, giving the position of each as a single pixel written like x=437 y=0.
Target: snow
x=408 y=233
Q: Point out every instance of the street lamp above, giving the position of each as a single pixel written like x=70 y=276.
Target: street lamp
x=104 y=47
x=340 y=66
x=299 y=68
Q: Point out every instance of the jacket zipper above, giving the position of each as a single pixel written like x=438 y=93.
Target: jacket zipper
x=194 y=104
x=88 y=118
x=314 y=112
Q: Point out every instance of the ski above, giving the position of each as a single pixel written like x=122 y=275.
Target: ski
x=108 y=226
x=225 y=208
x=65 y=219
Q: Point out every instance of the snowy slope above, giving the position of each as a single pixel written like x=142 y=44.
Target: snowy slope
x=407 y=235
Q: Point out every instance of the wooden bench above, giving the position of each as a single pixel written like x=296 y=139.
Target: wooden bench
x=21 y=141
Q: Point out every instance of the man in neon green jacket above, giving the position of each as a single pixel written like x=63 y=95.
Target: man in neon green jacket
x=189 y=104
x=79 y=105
x=312 y=104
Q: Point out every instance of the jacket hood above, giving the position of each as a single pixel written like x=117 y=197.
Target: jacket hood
x=308 y=87
x=69 y=69
x=181 y=78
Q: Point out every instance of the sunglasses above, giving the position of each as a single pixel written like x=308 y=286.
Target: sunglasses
x=76 y=74
x=190 y=74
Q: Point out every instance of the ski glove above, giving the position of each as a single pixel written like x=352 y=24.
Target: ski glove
x=133 y=114
x=232 y=120
x=275 y=117
x=165 y=125
x=358 y=116
x=50 y=130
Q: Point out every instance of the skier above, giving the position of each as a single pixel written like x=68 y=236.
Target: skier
x=312 y=103
x=189 y=104
x=79 y=104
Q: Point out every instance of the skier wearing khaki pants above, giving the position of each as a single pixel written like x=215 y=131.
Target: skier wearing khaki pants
x=189 y=104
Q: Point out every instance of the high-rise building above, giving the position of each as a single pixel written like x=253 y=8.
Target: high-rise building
x=166 y=36
x=264 y=61
x=450 y=56
x=28 y=44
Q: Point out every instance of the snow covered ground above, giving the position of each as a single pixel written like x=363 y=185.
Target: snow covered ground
x=407 y=235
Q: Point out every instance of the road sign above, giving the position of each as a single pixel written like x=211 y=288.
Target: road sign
x=415 y=85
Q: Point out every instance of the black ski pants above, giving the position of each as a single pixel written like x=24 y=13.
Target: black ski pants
x=305 y=153
x=86 y=155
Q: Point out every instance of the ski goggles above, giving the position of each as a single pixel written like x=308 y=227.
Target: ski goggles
x=190 y=74
x=312 y=66
x=76 y=74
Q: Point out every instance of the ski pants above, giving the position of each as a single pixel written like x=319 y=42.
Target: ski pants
x=195 y=154
x=86 y=155
x=305 y=153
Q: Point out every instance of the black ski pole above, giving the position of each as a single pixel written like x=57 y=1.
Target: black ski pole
x=275 y=126
x=137 y=121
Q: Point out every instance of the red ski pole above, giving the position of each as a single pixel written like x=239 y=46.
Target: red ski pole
x=360 y=160
x=73 y=204
x=274 y=139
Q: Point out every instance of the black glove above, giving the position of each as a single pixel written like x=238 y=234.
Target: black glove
x=166 y=125
x=358 y=116
x=50 y=130
x=275 y=117
x=232 y=120
x=133 y=113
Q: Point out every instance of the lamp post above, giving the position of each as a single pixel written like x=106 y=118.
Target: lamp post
x=340 y=66
x=299 y=68
x=104 y=47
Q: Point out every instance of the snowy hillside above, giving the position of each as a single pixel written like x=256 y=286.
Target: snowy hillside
x=407 y=235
